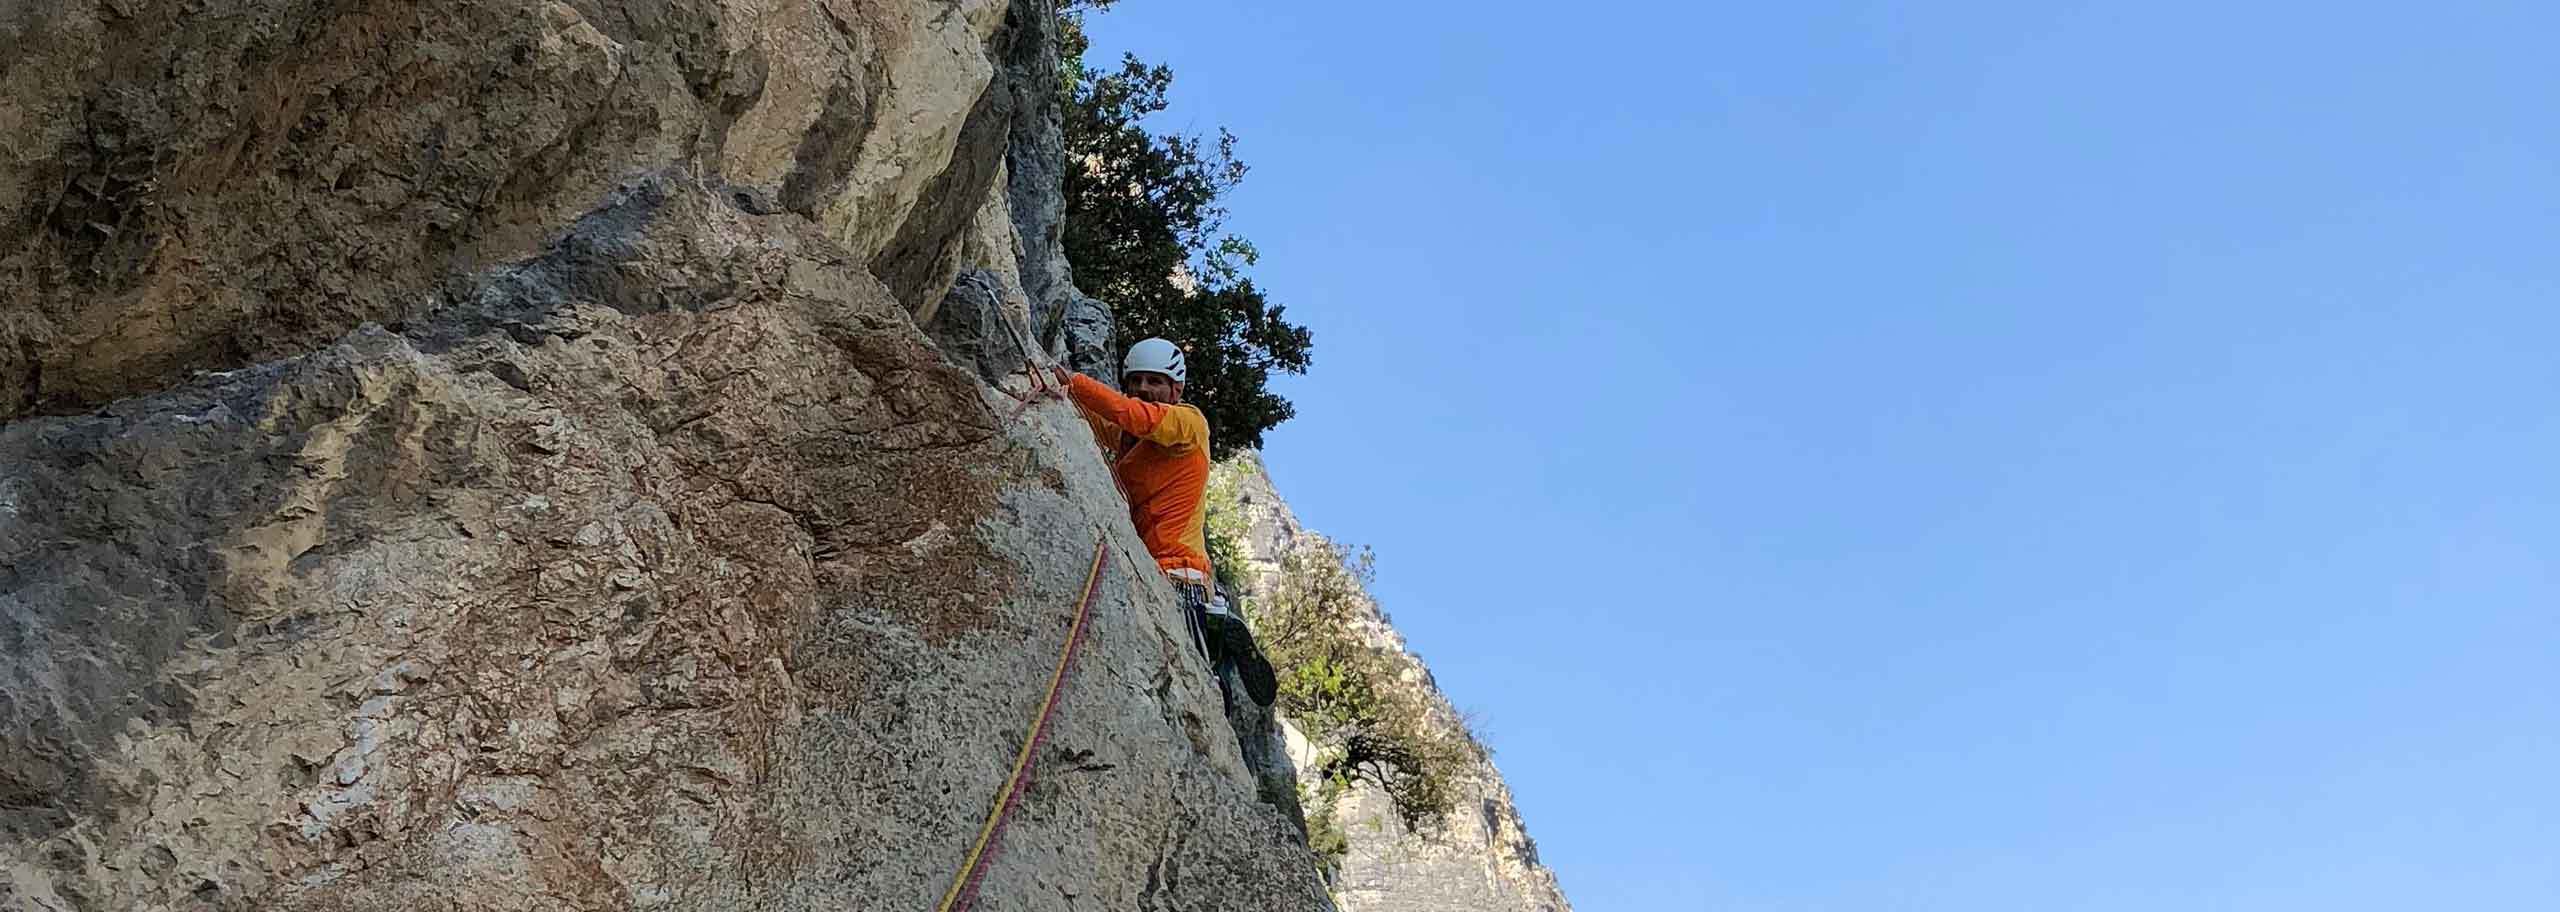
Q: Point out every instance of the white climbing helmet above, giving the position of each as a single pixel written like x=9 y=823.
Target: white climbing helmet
x=1157 y=355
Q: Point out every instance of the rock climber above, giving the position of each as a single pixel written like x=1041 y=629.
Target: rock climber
x=1159 y=450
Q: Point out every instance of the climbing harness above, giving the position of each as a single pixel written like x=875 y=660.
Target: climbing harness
x=1193 y=593
x=964 y=885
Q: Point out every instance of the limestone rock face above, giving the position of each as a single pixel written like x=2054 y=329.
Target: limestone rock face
x=1481 y=856
x=980 y=324
x=216 y=183
x=481 y=455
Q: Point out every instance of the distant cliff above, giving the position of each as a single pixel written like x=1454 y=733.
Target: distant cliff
x=1479 y=856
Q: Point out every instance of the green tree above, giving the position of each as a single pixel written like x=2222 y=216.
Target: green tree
x=1347 y=694
x=1144 y=233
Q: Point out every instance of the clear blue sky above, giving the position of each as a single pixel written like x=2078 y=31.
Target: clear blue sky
x=1920 y=456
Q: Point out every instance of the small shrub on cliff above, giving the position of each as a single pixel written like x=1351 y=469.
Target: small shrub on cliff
x=1368 y=724
x=1223 y=524
x=1324 y=834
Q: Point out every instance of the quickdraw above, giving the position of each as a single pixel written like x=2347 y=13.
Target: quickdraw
x=1042 y=387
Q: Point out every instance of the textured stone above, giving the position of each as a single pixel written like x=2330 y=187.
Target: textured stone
x=980 y=325
x=1087 y=339
x=670 y=569
x=481 y=455
x=1264 y=740
x=991 y=245
x=209 y=185
x=1480 y=857
x=1035 y=168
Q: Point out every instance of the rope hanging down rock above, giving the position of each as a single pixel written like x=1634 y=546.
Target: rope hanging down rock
x=964 y=885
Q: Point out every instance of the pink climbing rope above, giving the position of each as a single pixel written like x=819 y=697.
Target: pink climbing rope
x=964 y=886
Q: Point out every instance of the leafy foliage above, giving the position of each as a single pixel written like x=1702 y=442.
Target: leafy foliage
x=1324 y=834
x=1223 y=524
x=1144 y=232
x=1368 y=723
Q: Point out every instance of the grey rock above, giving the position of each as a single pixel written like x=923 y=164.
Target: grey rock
x=485 y=457
x=973 y=327
x=237 y=181
x=566 y=603
x=1088 y=339
x=1264 y=746
x=924 y=254
x=1072 y=326
x=1036 y=162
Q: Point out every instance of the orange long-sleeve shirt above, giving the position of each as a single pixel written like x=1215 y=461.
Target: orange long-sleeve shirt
x=1162 y=459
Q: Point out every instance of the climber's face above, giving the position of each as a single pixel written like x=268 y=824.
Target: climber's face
x=1152 y=387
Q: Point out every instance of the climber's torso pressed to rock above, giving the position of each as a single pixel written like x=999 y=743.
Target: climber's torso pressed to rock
x=1162 y=461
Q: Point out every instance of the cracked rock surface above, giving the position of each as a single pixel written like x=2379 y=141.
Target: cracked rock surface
x=210 y=184
x=481 y=455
